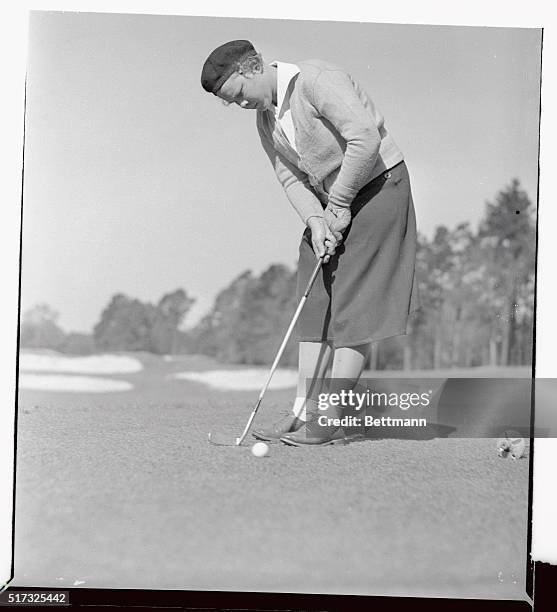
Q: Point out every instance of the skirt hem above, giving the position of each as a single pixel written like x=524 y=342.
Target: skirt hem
x=355 y=342
x=369 y=340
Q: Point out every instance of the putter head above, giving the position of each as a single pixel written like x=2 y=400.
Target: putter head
x=223 y=440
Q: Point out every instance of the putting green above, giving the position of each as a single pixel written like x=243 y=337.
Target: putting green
x=123 y=491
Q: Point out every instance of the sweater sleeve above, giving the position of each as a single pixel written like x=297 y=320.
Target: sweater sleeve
x=336 y=99
x=294 y=182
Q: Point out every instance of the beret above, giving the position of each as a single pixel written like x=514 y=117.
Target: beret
x=223 y=62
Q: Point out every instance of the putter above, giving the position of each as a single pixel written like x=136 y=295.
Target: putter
x=223 y=439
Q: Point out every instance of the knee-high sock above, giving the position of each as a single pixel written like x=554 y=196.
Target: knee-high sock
x=299 y=408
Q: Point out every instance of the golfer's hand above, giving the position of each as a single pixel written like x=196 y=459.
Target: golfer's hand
x=337 y=218
x=322 y=239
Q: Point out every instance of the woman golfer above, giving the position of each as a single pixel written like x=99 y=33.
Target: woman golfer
x=346 y=178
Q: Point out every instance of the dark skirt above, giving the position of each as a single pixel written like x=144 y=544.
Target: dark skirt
x=368 y=288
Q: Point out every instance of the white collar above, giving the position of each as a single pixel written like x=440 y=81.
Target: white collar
x=285 y=73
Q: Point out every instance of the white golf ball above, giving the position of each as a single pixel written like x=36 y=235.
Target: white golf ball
x=260 y=449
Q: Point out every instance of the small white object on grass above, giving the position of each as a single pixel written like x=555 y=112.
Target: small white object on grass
x=260 y=449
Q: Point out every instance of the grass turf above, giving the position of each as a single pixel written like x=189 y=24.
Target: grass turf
x=123 y=491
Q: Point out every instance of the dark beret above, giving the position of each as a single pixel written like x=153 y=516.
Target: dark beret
x=222 y=63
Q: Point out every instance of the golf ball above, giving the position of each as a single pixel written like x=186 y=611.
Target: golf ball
x=260 y=449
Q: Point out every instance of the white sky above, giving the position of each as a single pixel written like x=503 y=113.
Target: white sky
x=137 y=181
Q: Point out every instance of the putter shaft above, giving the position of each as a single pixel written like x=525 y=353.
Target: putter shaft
x=281 y=350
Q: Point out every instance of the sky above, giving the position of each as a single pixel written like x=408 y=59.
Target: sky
x=139 y=182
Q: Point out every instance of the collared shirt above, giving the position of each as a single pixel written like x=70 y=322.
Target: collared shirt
x=286 y=77
x=286 y=74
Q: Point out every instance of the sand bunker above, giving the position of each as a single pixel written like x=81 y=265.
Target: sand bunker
x=56 y=382
x=241 y=380
x=92 y=364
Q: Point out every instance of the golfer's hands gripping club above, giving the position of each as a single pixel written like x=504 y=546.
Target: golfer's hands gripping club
x=337 y=218
x=323 y=240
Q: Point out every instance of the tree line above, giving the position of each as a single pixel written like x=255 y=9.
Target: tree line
x=476 y=293
x=125 y=324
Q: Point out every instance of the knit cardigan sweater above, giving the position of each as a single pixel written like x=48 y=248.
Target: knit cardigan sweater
x=341 y=140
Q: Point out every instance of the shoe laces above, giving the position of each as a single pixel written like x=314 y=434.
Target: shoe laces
x=284 y=414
